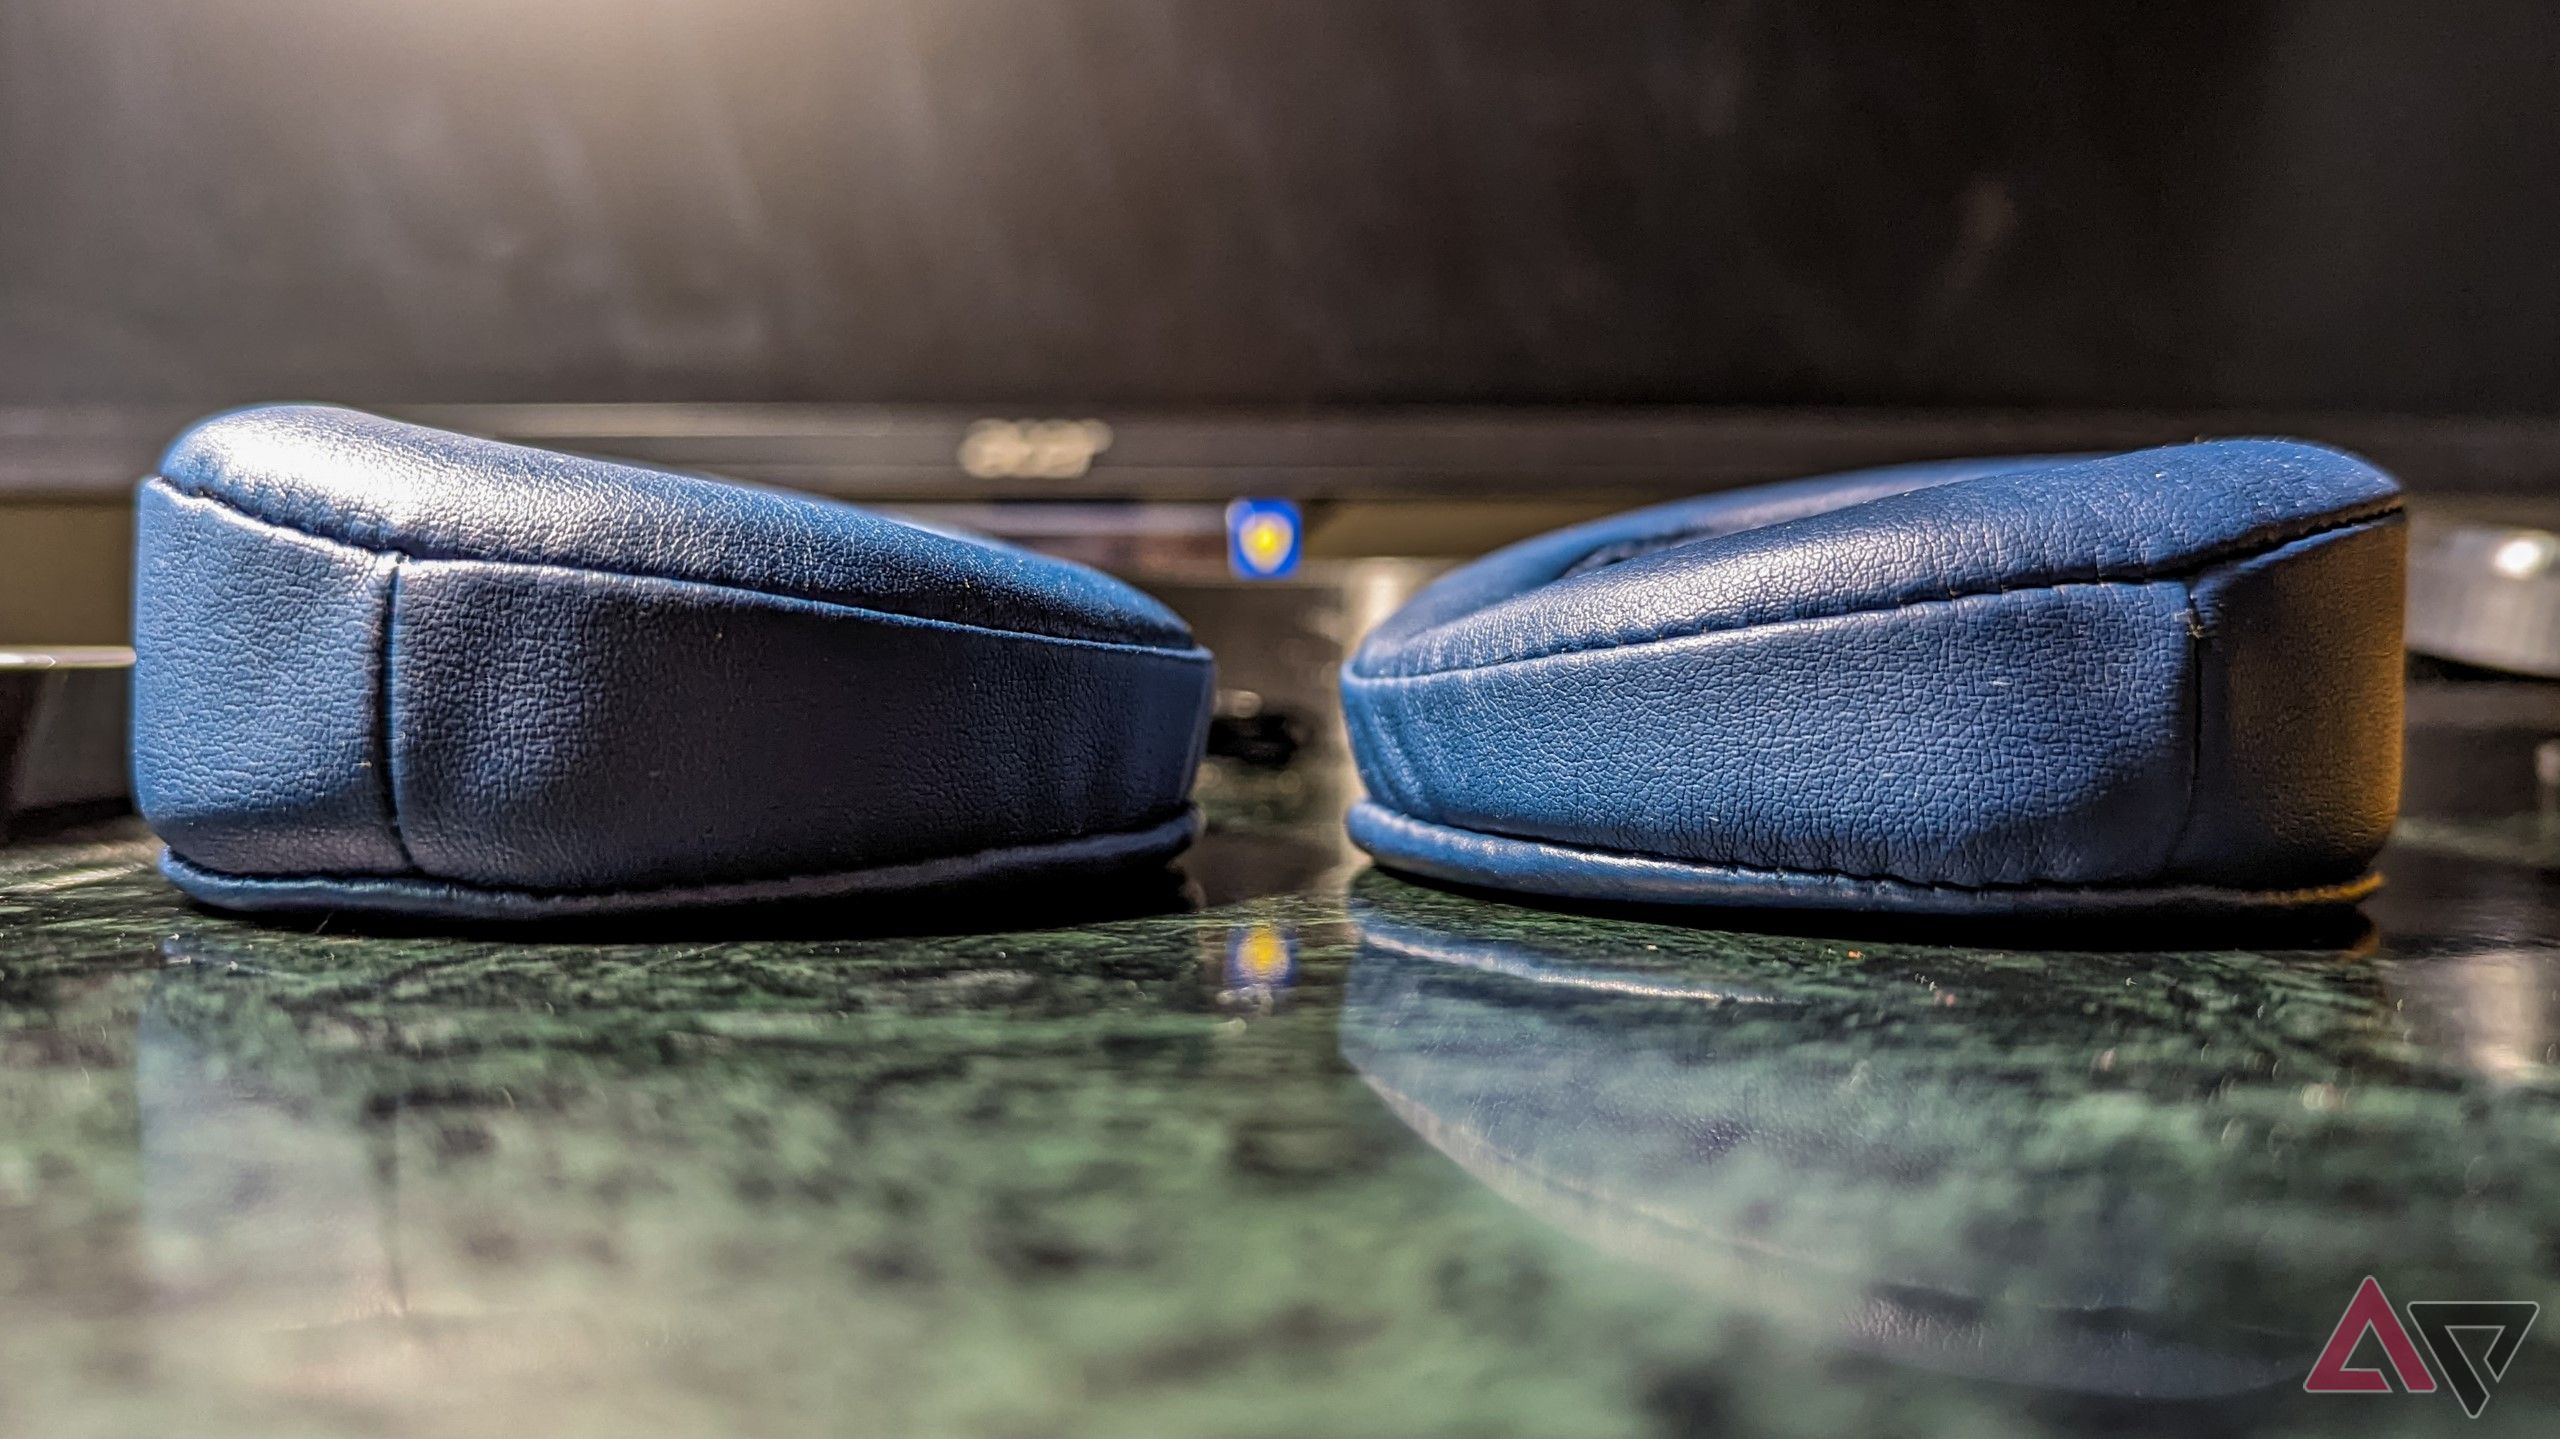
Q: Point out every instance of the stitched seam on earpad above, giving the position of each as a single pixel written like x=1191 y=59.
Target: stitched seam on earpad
x=2193 y=619
x=384 y=746
x=712 y=887
x=1194 y=654
x=1688 y=862
x=2182 y=574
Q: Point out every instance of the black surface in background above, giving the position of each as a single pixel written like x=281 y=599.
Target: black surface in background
x=2286 y=203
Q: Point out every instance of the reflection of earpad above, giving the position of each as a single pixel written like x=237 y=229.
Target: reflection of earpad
x=2161 y=680
x=1828 y=1148
x=384 y=667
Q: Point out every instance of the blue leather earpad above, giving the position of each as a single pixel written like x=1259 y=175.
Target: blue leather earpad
x=2161 y=680
x=384 y=667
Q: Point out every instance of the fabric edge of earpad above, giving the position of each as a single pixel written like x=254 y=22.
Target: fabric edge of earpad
x=1094 y=854
x=1461 y=856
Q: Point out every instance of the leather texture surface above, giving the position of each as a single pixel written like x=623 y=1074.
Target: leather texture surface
x=384 y=667
x=2161 y=680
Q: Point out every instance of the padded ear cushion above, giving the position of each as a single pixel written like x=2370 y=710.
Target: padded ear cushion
x=384 y=667
x=2161 y=680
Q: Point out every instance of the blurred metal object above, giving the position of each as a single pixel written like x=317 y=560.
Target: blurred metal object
x=63 y=721
x=2482 y=777
x=1276 y=746
x=2485 y=590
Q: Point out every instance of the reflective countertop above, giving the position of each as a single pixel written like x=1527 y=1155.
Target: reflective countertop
x=1279 y=1145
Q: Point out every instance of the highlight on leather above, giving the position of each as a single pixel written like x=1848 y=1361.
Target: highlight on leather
x=384 y=667
x=2165 y=680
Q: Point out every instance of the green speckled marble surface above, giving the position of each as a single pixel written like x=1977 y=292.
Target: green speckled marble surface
x=1300 y=1149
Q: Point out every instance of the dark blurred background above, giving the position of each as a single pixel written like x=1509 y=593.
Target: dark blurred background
x=2290 y=203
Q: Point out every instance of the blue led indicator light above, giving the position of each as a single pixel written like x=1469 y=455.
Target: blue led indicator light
x=1263 y=538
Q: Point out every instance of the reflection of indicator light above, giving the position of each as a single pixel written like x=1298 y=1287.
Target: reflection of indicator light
x=1260 y=958
x=1263 y=537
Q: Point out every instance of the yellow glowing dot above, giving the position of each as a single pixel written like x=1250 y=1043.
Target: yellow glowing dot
x=1265 y=540
x=1262 y=955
